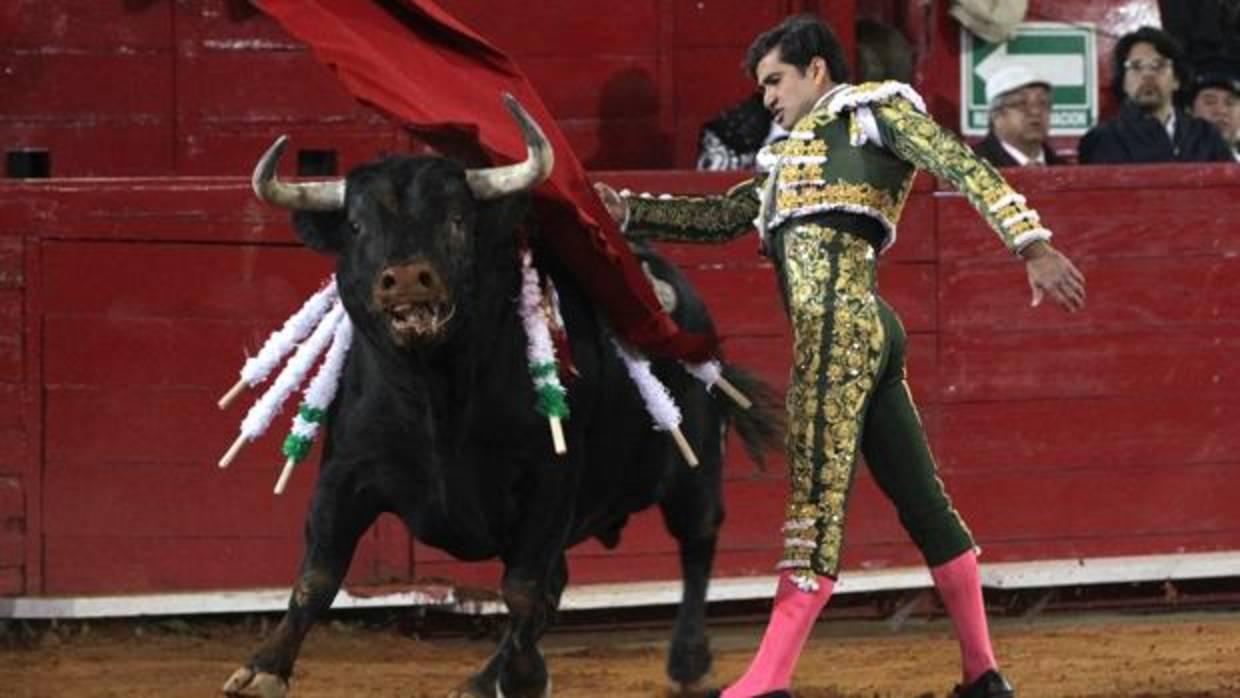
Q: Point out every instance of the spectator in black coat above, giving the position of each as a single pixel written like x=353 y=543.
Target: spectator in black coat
x=1020 y=119
x=1216 y=98
x=1149 y=70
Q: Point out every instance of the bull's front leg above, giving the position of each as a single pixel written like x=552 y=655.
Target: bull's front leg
x=485 y=683
x=338 y=517
x=534 y=577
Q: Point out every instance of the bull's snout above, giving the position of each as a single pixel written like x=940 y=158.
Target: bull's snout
x=414 y=299
x=414 y=281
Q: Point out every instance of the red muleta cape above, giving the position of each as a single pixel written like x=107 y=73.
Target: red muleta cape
x=416 y=62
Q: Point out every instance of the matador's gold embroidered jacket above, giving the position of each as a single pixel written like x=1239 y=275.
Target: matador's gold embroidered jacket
x=856 y=151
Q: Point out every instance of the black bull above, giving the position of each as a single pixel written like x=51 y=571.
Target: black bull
x=434 y=420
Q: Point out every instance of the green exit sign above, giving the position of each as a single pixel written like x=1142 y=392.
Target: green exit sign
x=1065 y=55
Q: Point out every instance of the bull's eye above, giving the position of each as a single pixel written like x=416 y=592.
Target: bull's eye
x=357 y=227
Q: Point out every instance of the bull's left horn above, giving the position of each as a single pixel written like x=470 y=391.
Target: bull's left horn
x=494 y=182
x=304 y=196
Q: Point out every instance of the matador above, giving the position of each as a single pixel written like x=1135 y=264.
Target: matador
x=826 y=202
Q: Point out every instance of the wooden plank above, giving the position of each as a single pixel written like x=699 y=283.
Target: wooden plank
x=12 y=499
x=14 y=451
x=12 y=329
x=12 y=581
x=1124 y=294
x=194 y=499
x=1109 y=433
x=522 y=30
x=115 y=425
x=130 y=564
x=916 y=233
x=246 y=82
x=13 y=407
x=611 y=88
x=31 y=424
x=1096 y=502
x=140 y=87
x=203 y=353
x=12 y=262
x=98 y=564
x=1109 y=546
x=149 y=281
x=85 y=25
x=221 y=22
x=206 y=210
x=634 y=143
x=714 y=23
x=137 y=145
x=12 y=533
x=1091 y=222
x=228 y=148
x=1086 y=363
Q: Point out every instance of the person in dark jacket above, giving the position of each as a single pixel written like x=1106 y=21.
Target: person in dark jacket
x=1216 y=98
x=1020 y=119
x=1149 y=70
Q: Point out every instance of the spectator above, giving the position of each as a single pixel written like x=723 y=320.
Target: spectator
x=1216 y=98
x=1020 y=119
x=1149 y=70
x=731 y=140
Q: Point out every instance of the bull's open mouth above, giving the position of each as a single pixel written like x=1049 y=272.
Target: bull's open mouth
x=419 y=320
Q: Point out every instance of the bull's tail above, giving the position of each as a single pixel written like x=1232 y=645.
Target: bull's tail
x=761 y=427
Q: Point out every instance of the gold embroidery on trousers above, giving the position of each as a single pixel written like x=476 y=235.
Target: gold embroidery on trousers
x=837 y=346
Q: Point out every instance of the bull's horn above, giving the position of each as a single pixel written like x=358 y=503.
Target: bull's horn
x=305 y=196
x=494 y=182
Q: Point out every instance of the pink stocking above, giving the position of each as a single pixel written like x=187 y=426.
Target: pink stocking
x=960 y=587
x=792 y=617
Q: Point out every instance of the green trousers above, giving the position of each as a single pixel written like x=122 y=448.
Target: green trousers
x=848 y=395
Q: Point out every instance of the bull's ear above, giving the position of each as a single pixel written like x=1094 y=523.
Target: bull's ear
x=322 y=231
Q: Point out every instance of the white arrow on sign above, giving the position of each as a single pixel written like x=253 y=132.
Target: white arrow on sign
x=1061 y=69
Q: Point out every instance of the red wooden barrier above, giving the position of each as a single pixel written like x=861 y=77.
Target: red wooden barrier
x=125 y=307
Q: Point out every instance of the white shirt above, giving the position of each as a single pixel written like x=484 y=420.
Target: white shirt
x=1020 y=158
x=1169 y=124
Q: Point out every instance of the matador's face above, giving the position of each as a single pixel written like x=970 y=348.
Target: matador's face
x=789 y=92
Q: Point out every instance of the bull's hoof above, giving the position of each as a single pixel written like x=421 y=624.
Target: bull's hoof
x=245 y=682
x=546 y=692
x=471 y=690
x=689 y=662
x=694 y=689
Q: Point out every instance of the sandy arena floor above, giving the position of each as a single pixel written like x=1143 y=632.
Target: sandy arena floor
x=1095 y=655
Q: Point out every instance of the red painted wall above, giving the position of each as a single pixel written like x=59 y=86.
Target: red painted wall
x=127 y=305
x=197 y=88
x=124 y=305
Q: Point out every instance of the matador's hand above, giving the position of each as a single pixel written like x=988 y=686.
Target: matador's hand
x=1052 y=273
x=616 y=206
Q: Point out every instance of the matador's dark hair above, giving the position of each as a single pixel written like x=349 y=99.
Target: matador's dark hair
x=799 y=38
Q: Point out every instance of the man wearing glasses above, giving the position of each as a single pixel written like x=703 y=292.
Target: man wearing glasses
x=1149 y=70
x=1020 y=119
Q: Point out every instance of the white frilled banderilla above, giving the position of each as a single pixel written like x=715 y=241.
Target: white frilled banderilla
x=322 y=323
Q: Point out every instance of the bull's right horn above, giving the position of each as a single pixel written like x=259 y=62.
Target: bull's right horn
x=494 y=182
x=302 y=196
